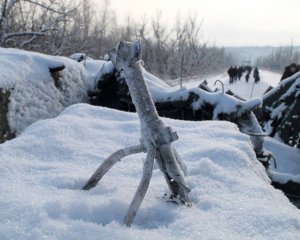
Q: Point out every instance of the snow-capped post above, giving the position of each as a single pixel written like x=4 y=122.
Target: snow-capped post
x=156 y=138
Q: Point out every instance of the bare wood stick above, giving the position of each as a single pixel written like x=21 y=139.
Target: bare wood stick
x=126 y=58
x=173 y=186
x=180 y=162
x=142 y=188
x=168 y=155
x=156 y=138
x=173 y=171
x=109 y=162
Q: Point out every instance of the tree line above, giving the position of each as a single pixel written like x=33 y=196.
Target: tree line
x=64 y=27
x=280 y=58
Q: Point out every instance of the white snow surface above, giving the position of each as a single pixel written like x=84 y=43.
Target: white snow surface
x=240 y=87
x=161 y=91
x=223 y=103
x=96 y=68
x=295 y=78
x=43 y=170
x=34 y=95
x=287 y=159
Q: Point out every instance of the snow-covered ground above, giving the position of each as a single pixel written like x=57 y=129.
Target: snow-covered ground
x=240 y=88
x=43 y=169
x=287 y=158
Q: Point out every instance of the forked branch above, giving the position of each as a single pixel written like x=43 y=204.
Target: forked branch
x=109 y=163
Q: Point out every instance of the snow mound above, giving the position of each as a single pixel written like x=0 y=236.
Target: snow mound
x=34 y=94
x=43 y=170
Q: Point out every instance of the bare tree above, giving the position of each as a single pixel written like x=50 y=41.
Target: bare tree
x=23 y=23
x=279 y=58
x=64 y=27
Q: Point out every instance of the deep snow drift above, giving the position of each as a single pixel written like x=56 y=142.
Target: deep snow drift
x=43 y=169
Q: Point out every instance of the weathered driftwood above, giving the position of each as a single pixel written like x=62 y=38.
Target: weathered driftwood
x=156 y=138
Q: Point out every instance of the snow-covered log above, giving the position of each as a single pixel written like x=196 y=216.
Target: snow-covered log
x=36 y=86
x=280 y=111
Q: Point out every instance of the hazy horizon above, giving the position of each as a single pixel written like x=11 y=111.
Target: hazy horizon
x=233 y=23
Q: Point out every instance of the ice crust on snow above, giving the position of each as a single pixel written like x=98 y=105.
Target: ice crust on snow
x=40 y=182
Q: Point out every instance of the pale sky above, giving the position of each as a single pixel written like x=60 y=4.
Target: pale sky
x=228 y=22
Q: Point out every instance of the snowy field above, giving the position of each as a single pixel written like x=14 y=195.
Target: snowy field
x=43 y=170
x=240 y=87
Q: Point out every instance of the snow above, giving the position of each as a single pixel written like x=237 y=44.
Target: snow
x=284 y=82
x=96 y=68
x=287 y=159
x=240 y=88
x=34 y=95
x=154 y=83
x=79 y=57
x=43 y=169
x=223 y=103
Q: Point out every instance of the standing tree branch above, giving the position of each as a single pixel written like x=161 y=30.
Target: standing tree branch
x=156 y=138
